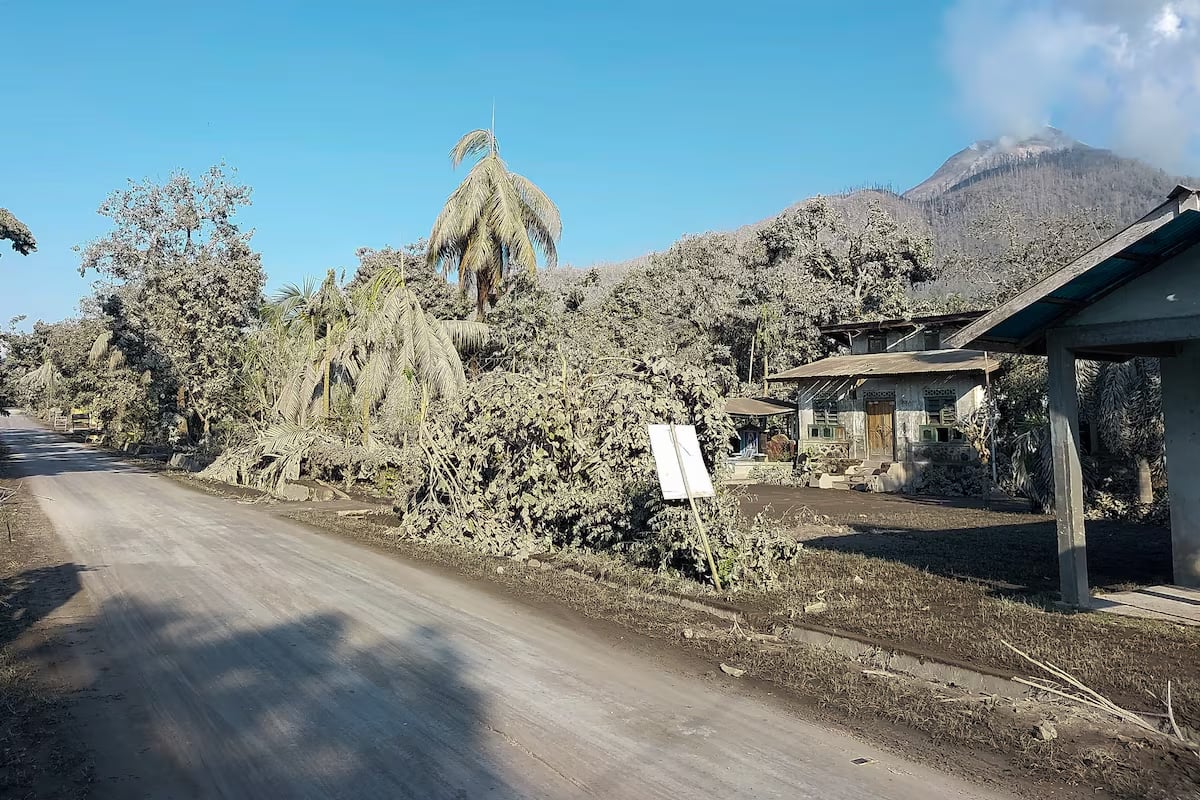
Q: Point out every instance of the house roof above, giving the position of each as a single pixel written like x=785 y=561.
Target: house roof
x=906 y=363
x=912 y=322
x=756 y=407
x=1020 y=325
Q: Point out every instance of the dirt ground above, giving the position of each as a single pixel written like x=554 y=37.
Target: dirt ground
x=983 y=736
x=236 y=654
x=948 y=536
x=39 y=755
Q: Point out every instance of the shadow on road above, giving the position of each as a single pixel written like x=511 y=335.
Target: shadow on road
x=293 y=710
x=41 y=452
x=32 y=595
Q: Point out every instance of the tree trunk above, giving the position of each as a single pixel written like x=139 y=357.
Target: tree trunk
x=326 y=393
x=750 y=375
x=1145 y=481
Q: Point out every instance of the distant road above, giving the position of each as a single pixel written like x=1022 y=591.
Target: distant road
x=229 y=653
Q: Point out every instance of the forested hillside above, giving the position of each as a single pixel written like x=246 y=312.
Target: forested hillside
x=1045 y=177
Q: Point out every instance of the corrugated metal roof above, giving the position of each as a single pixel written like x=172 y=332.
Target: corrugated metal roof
x=1020 y=324
x=754 y=407
x=891 y=364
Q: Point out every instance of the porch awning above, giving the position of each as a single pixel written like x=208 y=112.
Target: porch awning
x=1020 y=325
x=871 y=364
x=753 y=407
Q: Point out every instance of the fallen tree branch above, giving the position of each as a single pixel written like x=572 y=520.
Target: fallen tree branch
x=1090 y=697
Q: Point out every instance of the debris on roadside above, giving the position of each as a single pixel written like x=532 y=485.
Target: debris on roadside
x=732 y=671
x=1044 y=731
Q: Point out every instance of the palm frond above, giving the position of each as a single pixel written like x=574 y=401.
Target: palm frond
x=472 y=143
x=507 y=218
x=542 y=207
x=467 y=335
x=100 y=346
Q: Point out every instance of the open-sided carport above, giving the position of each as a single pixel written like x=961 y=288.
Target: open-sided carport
x=1136 y=294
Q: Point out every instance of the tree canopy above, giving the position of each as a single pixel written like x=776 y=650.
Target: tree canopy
x=14 y=231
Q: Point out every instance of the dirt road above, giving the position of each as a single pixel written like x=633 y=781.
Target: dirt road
x=226 y=653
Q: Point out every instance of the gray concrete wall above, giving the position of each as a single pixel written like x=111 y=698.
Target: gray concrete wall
x=1171 y=289
x=1181 y=412
x=909 y=391
x=905 y=341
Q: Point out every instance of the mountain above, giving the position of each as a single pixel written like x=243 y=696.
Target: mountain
x=1038 y=177
x=989 y=155
x=1044 y=176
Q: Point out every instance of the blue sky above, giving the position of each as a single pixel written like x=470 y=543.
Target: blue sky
x=643 y=121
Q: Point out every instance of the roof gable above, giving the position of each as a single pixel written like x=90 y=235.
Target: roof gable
x=1020 y=324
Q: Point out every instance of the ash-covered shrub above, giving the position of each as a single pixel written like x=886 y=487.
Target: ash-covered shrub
x=525 y=464
x=953 y=480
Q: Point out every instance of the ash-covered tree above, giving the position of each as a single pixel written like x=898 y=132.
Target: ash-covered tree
x=190 y=282
x=493 y=223
x=14 y=231
x=1124 y=404
x=721 y=301
x=867 y=269
x=1006 y=250
x=410 y=262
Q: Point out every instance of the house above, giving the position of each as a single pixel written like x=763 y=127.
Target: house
x=766 y=431
x=1136 y=294
x=892 y=405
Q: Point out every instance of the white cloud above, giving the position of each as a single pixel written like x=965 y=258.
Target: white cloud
x=1134 y=64
x=1168 y=25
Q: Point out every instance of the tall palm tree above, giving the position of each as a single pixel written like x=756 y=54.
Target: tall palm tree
x=492 y=223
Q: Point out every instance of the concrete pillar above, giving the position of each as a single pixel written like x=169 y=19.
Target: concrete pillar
x=1068 y=475
x=1181 y=413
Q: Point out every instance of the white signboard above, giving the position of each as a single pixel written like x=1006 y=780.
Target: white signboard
x=676 y=457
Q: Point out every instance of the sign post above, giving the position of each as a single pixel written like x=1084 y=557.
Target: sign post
x=681 y=473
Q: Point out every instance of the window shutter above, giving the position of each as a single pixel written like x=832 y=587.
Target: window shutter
x=947 y=415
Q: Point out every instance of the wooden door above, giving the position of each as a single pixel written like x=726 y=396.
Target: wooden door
x=881 y=439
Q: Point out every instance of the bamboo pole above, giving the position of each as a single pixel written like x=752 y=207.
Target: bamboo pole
x=687 y=489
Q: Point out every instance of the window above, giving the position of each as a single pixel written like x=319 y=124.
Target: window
x=935 y=434
x=941 y=410
x=941 y=418
x=825 y=420
x=877 y=343
x=933 y=339
x=825 y=412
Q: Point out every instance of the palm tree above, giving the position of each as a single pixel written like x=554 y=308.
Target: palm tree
x=1124 y=401
x=492 y=222
x=321 y=315
x=398 y=352
x=44 y=380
